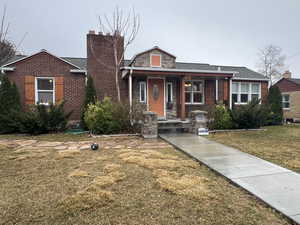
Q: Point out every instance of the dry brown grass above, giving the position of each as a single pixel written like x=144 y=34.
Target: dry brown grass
x=79 y=173
x=67 y=154
x=88 y=198
x=188 y=185
x=156 y=161
x=109 y=179
x=160 y=186
x=279 y=144
x=110 y=167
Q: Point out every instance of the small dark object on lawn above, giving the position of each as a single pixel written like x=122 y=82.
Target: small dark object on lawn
x=94 y=146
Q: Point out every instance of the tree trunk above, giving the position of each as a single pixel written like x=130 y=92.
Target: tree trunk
x=117 y=73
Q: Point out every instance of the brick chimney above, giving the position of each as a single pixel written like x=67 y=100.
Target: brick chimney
x=101 y=66
x=287 y=74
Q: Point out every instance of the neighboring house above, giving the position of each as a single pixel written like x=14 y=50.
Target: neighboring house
x=153 y=78
x=290 y=90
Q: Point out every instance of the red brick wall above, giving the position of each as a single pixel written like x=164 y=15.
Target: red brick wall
x=46 y=65
x=210 y=92
x=286 y=85
x=100 y=64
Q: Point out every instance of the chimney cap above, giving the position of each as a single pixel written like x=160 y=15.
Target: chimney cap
x=287 y=74
x=92 y=32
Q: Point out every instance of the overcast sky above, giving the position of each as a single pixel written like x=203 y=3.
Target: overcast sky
x=223 y=32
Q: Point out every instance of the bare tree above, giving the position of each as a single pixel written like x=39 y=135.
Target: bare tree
x=271 y=62
x=7 y=49
x=122 y=27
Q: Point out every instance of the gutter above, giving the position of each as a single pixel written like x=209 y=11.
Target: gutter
x=253 y=79
x=6 y=69
x=178 y=70
x=78 y=71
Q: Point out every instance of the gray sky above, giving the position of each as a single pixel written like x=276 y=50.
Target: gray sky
x=225 y=32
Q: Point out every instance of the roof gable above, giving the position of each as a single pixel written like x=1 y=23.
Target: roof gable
x=150 y=50
x=22 y=58
x=288 y=85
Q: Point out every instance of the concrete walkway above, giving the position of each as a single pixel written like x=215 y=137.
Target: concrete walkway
x=277 y=186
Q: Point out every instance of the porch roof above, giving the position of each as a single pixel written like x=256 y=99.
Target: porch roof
x=174 y=71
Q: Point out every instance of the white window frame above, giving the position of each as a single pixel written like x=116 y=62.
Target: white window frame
x=203 y=91
x=171 y=93
x=151 y=59
x=239 y=92
x=140 y=91
x=37 y=90
x=283 y=101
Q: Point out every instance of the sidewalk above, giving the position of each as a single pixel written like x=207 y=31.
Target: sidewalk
x=275 y=185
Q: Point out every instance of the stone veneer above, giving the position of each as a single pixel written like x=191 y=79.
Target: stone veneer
x=150 y=126
x=198 y=120
x=143 y=60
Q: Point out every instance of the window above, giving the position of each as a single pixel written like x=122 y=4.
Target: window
x=44 y=90
x=194 y=92
x=244 y=92
x=285 y=101
x=169 y=92
x=155 y=60
x=142 y=91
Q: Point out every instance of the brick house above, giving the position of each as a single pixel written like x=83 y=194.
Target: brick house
x=153 y=78
x=290 y=90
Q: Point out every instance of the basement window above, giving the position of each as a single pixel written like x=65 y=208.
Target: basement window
x=44 y=91
x=286 y=101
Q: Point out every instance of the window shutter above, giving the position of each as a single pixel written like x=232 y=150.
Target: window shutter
x=29 y=90
x=59 y=89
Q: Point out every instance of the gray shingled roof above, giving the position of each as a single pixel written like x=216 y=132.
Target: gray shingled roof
x=297 y=81
x=243 y=72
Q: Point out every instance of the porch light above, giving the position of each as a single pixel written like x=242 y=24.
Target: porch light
x=187 y=84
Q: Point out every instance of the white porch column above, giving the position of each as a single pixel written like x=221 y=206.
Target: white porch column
x=130 y=89
x=217 y=90
x=230 y=93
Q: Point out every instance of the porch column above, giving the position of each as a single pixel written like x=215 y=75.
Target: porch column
x=217 y=91
x=182 y=99
x=230 y=93
x=130 y=89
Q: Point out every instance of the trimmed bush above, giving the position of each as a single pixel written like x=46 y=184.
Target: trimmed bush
x=109 y=117
x=10 y=106
x=221 y=118
x=274 y=104
x=90 y=98
x=249 y=116
x=44 y=119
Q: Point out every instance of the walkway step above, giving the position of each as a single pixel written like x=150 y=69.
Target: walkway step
x=275 y=185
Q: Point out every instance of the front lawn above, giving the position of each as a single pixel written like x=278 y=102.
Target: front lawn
x=129 y=181
x=278 y=144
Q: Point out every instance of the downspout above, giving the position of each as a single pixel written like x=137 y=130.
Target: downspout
x=130 y=95
x=230 y=93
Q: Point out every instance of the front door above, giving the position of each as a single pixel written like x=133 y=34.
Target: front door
x=156 y=96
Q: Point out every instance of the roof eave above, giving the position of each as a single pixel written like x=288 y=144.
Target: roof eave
x=178 y=70
x=6 y=69
x=79 y=71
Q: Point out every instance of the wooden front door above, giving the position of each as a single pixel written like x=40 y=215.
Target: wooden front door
x=156 y=96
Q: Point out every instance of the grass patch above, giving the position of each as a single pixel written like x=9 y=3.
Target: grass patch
x=278 y=144
x=127 y=181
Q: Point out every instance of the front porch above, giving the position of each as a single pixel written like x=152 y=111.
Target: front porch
x=172 y=95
